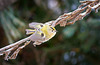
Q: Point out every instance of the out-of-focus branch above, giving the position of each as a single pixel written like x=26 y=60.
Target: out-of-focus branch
x=6 y=3
x=63 y=20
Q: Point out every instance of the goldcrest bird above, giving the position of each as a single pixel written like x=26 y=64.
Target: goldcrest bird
x=40 y=33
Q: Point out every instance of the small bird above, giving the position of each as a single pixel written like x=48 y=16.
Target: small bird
x=40 y=33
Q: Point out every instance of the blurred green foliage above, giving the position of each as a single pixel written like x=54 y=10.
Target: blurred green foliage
x=77 y=44
x=11 y=24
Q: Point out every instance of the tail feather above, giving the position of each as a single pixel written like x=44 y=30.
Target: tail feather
x=30 y=31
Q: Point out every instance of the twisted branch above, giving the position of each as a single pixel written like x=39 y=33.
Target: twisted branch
x=78 y=14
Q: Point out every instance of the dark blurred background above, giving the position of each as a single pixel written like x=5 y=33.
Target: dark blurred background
x=77 y=44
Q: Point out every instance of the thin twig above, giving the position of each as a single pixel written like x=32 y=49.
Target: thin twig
x=14 y=44
x=7 y=49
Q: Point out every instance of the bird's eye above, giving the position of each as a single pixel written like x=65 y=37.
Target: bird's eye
x=42 y=35
x=41 y=25
x=52 y=28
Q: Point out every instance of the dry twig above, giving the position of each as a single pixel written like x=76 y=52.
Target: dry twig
x=78 y=14
x=63 y=20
